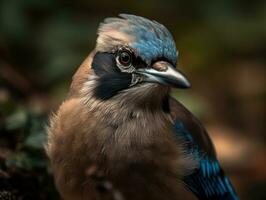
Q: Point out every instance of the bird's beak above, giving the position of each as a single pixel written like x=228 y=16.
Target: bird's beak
x=164 y=73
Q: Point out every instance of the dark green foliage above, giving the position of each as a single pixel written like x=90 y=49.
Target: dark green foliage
x=24 y=169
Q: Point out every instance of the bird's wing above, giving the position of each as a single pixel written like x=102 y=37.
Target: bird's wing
x=208 y=180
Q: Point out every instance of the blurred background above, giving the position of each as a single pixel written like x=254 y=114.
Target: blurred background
x=222 y=49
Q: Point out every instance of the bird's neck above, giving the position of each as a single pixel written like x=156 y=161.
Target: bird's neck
x=148 y=99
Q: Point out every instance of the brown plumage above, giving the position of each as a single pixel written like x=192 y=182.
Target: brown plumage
x=115 y=135
x=132 y=156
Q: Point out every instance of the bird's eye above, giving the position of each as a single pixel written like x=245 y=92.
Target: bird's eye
x=125 y=58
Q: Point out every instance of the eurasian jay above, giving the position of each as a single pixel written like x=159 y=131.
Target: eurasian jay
x=119 y=135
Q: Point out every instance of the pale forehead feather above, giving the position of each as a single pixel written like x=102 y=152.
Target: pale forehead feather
x=149 y=38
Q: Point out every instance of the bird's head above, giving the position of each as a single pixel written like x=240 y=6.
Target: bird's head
x=134 y=55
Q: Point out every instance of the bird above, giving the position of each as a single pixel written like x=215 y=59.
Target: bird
x=120 y=135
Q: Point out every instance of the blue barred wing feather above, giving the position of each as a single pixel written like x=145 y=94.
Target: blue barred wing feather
x=208 y=181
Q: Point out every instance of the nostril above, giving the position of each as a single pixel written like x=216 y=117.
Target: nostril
x=160 y=66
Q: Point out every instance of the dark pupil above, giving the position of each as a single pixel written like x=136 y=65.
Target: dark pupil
x=125 y=58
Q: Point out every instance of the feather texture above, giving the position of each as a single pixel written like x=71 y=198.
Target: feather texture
x=208 y=181
x=137 y=139
x=150 y=39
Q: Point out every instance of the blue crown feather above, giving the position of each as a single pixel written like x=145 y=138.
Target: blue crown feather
x=151 y=39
